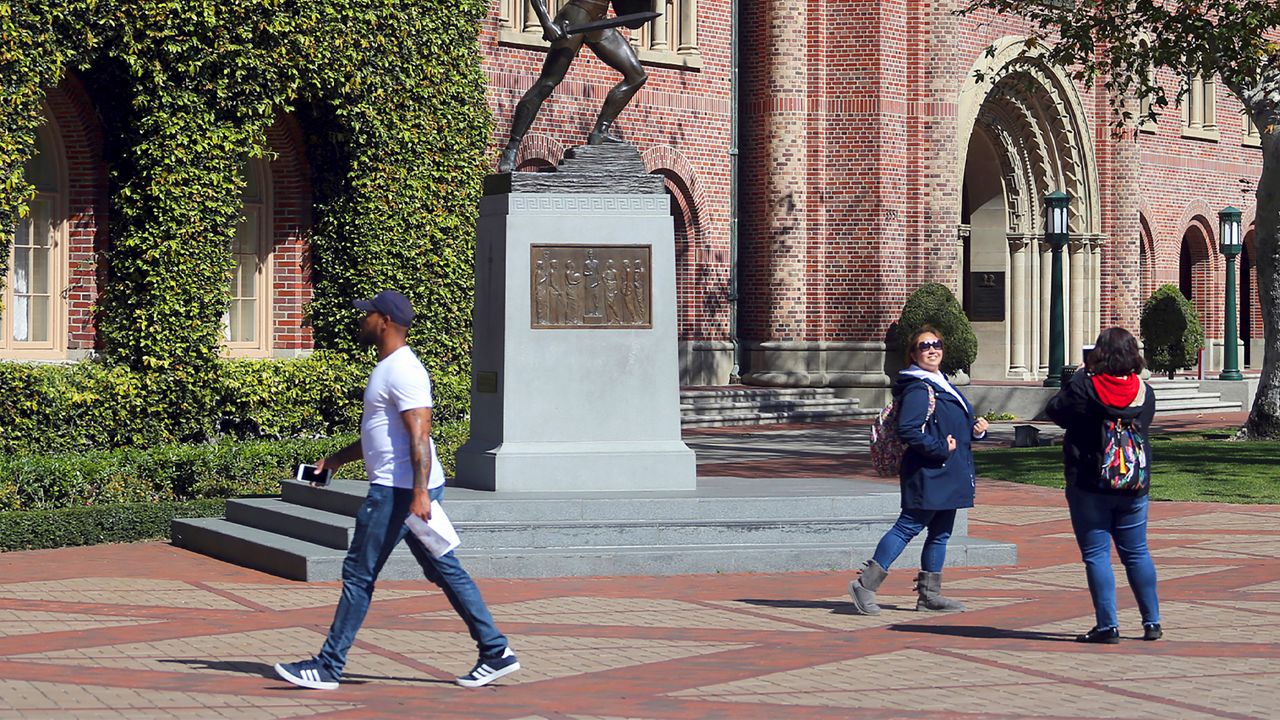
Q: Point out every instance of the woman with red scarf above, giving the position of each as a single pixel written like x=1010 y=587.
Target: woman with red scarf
x=1107 y=410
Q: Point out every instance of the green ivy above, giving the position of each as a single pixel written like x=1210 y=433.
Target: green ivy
x=390 y=95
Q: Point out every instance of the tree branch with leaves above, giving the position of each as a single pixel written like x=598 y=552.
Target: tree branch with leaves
x=1120 y=45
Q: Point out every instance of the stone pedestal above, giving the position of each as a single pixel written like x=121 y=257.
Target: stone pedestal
x=574 y=371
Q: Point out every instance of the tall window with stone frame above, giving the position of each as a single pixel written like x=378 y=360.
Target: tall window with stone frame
x=247 y=324
x=1199 y=109
x=1249 y=134
x=1145 y=124
x=34 y=311
x=670 y=39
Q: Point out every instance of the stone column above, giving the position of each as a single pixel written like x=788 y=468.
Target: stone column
x=776 y=144
x=688 y=27
x=531 y=24
x=1095 y=289
x=1018 y=330
x=1076 y=300
x=1046 y=284
x=658 y=29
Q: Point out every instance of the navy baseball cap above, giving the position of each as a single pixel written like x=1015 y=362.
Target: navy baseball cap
x=390 y=303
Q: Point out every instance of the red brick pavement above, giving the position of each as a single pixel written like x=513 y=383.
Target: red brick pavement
x=150 y=631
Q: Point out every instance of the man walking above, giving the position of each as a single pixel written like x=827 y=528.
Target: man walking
x=404 y=477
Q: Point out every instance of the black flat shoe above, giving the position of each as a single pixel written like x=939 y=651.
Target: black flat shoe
x=1106 y=636
x=1152 y=631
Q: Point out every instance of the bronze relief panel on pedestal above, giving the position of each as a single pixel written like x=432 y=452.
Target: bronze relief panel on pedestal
x=590 y=286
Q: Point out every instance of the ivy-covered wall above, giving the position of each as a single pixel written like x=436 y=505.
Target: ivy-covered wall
x=390 y=96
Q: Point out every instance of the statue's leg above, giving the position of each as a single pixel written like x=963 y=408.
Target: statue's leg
x=559 y=57
x=618 y=54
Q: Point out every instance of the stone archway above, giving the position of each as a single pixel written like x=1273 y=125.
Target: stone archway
x=1026 y=136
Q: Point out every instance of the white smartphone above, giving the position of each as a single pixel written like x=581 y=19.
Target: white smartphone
x=309 y=474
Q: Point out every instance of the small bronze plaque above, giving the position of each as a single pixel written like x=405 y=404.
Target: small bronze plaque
x=590 y=286
x=486 y=382
x=986 y=297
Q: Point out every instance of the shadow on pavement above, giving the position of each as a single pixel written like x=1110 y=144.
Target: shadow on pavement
x=984 y=632
x=837 y=607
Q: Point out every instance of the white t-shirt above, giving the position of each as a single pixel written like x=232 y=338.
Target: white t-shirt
x=398 y=383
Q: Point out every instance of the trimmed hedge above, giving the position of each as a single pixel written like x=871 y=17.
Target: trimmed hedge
x=1172 y=336
x=168 y=473
x=94 y=405
x=67 y=527
x=933 y=304
x=179 y=472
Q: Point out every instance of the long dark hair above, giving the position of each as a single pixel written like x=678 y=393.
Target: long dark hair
x=1115 y=353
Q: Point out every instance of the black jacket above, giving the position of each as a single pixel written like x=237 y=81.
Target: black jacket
x=1077 y=409
x=931 y=477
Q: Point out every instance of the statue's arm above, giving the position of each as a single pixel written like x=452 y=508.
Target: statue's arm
x=550 y=31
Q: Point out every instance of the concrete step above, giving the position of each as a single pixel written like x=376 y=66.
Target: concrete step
x=770 y=418
x=661 y=533
x=1178 y=392
x=258 y=549
x=332 y=530
x=726 y=525
x=300 y=560
x=748 y=405
x=694 y=394
x=682 y=560
x=732 y=405
x=344 y=497
x=1196 y=406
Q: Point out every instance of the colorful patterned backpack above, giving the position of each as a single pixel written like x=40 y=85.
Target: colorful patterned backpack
x=887 y=448
x=1124 y=457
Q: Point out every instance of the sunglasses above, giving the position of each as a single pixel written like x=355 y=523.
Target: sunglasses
x=929 y=345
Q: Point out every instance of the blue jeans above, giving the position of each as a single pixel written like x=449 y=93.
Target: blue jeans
x=909 y=525
x=1096 y=519
x=379 y=528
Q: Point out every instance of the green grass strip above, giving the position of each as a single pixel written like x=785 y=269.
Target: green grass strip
x=1191 y=469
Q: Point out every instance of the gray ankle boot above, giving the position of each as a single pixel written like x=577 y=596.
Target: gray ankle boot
x=863 y=590
x=929 y=588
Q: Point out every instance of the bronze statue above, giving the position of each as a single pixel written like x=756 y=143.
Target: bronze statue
x=608 y=44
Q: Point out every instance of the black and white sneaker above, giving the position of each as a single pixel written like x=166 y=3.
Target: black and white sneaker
x=486 y=671
x=308 y=674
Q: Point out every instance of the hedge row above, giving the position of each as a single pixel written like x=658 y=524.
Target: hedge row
x=66 y=527
x=95 y=406
x=177 y=472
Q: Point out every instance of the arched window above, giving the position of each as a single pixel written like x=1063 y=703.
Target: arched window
x=34 y=317
x=247 y=324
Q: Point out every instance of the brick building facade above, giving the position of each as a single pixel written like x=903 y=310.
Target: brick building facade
x=869 y=161
x=872 y=161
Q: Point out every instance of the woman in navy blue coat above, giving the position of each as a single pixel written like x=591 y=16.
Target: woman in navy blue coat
x=937 y=425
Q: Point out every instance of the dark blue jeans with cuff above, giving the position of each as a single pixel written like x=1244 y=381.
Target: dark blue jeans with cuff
x=1097 y=519
x=379 y=528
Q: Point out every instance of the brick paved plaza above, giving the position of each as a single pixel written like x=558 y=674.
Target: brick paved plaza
x=150 y=631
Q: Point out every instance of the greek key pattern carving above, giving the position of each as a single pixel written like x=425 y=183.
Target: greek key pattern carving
x=590 y=204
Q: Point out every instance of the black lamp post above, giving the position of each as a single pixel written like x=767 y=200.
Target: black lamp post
x=1230 y=244
x=1056 y=234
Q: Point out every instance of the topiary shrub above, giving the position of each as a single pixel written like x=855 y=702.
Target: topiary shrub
x=1171 y=331
x=933 y=304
